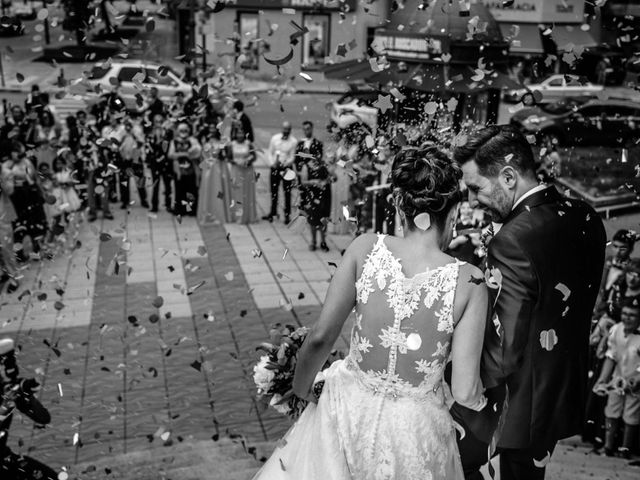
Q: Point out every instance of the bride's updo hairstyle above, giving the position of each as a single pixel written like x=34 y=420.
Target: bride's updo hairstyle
x=425 y=180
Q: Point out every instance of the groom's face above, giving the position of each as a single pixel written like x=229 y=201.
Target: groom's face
x=487 y=193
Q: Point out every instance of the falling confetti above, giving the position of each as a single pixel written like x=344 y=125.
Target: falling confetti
x=548 y=339
x=566 y=292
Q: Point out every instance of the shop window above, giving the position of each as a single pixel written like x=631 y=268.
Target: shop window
x=248 y=26
x=316 y=43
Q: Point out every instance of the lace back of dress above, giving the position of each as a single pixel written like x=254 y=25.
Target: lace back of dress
x=402 y=335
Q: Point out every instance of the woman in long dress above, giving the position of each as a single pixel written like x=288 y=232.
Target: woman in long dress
x=383 y=411
x=345 y=155
x=241 y=155
x=47 y=137
x=214 y=196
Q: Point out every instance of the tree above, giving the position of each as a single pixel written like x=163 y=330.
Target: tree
x=78 y=15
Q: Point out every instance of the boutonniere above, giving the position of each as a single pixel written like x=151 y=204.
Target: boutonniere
x=485 y=238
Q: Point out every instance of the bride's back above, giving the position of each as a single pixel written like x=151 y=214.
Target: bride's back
x=404 y=313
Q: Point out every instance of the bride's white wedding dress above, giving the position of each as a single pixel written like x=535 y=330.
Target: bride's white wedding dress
x=382 y=413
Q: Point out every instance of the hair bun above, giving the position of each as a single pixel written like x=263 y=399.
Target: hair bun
x=425 y=180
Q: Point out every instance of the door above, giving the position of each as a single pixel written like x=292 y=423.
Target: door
x=165 y=84
x=553 y=89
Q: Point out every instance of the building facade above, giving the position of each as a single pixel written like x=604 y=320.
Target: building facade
x=246 y=34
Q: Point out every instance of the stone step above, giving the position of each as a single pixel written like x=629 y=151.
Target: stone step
x=242 y=469
x=183 y=461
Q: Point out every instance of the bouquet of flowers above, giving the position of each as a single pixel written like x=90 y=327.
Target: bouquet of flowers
x=273 y=374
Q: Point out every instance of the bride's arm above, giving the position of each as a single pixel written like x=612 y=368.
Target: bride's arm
x=468 y=335
x=341 y=298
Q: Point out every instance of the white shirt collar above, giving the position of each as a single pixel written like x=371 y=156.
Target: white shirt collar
x=537 y=189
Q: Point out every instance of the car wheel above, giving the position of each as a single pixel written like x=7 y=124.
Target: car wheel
x=550 y=138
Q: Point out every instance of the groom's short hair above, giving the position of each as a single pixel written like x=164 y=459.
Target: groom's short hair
x=495 y=146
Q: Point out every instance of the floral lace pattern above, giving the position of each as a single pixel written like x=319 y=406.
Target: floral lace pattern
x=403 y=296
x=373 y=423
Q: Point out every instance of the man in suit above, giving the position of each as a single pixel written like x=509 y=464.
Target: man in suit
x=309 y=145
x=543 y=269
x=243 y=119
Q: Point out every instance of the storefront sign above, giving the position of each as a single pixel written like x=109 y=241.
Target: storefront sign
x=537 y=11
x=320 y=5
x=407 y=47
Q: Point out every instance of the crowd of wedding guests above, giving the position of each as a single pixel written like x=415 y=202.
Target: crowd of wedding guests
x=613 y=409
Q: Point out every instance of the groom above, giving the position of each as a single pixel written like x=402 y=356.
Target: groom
x=544 y=267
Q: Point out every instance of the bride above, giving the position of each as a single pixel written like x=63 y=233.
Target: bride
x=383 y=412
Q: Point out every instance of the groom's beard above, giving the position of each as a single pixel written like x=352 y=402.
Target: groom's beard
x=501 y=205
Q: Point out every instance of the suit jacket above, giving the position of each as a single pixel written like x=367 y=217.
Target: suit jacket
x=546 y=263
x=316 y=149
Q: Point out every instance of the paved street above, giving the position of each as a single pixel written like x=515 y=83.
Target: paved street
x=118 y=373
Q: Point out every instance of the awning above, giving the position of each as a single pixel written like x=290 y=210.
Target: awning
x=522 y=37
x=350 y=71
x=565 y=35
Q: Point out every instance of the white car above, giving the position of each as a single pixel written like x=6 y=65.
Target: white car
x=354 y=108
x=137 y=78
x=555 y=88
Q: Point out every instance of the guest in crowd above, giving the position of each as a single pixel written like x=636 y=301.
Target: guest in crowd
x=8 y=266
x=241 y=154
x=27 y=199
x=622 y=245
x=214 y=195
x=315 y=187
x=157 y=149
x=281 y=156
x=131 y=164
x=339 y=166
x=622 y=363
x=241 y=119
x=185 y=153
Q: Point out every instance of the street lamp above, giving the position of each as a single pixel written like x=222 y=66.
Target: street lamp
x=45 y=20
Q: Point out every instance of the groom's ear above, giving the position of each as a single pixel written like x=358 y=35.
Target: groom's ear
x=508 y=176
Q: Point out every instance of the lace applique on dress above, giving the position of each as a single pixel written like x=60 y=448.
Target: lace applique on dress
x=381 y=269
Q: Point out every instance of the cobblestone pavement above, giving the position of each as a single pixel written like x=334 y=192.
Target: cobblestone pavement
x=120 y=372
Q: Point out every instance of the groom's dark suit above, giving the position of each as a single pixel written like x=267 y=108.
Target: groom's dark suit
x=549 y=254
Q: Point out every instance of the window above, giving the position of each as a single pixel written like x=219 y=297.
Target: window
x=126 y=74
x=247 y=48
x=316 y=43
x=591 y=111
x=556 y=82
x=154 y=79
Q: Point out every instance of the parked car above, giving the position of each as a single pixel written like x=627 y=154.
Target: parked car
x=11 y=27
x=554 y=88
x=355 y=107
x=608 y=123
x=135 y=74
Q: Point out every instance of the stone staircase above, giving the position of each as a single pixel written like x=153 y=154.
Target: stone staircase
x=226 y=459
